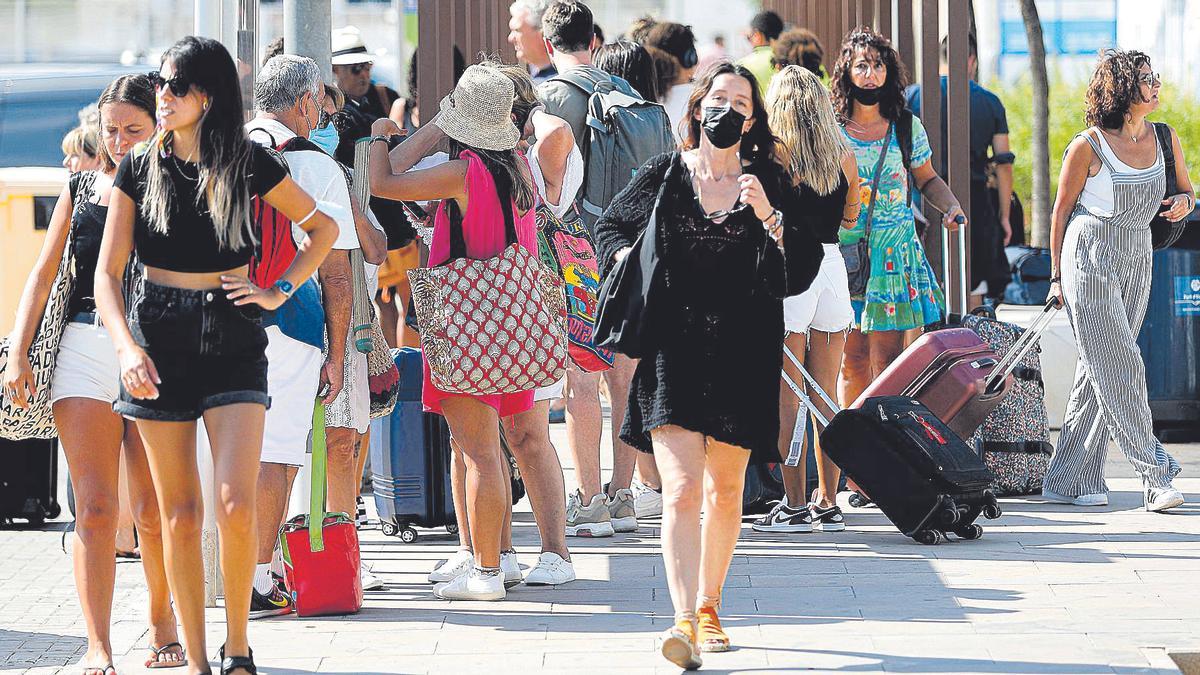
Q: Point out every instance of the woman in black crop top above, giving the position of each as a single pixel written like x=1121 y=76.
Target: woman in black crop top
x=85 y=382
x=824 y=172
x=193 y=346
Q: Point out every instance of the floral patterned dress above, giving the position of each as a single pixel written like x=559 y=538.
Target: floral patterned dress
x=902 y=292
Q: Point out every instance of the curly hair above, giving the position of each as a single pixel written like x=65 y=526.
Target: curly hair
x=1114 y=88
x=799 y=47
x=891 y=100
x=759 y=143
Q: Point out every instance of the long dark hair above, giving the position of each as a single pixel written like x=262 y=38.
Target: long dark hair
x=631 y=62
x=505 y=168
x=1114 y=88
x=136 y=90
x=758 y=144
x=224 y=162
x=891 y=98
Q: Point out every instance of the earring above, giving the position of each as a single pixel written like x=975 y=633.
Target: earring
x=206 y=105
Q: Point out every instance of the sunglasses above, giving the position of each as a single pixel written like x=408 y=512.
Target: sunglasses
x=724 y=213
x=1151 y=79
x=358 y=68
x=336 y=119
x=179 y=86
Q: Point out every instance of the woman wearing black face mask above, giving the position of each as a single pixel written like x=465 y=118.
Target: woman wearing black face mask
x=901 y=292
x=705 y=397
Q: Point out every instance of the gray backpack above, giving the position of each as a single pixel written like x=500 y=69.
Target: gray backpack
x=624 y=132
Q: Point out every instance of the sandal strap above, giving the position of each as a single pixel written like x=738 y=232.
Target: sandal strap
x=170 y=645
x=231 y=663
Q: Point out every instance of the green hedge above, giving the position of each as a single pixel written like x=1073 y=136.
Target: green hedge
x=1179 y=109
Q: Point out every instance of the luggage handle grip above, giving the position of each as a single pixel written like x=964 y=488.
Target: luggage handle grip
x=1022 y=346
x=804 y=397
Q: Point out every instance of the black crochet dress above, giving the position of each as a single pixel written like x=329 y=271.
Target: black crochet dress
x=720 y=325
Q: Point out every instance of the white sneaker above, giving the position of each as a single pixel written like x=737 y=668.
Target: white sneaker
x=474 y=585
x=454 y=566
x=511 y=566
x=1160 y=499
x=551 y=570
x=1094 y=499
x=370 y=582
x=647 y=502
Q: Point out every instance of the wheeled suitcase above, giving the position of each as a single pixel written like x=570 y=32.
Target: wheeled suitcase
x=410 y=460
x=29 y=480
x=1014 y=440
x=921 y=474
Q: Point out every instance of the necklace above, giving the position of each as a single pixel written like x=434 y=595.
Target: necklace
x=179 y=166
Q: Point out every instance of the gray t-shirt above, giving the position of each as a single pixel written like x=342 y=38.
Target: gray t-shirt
x=570 y=102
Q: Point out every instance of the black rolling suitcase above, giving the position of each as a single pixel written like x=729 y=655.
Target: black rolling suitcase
x=29 y=480
x=923 y=477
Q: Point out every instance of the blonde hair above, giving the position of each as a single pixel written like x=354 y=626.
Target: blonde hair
x=81 y=142
x=810 y=142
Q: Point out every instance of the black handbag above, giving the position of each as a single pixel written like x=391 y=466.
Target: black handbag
x=624 y=314
x=858 y=255
x=1164 y=233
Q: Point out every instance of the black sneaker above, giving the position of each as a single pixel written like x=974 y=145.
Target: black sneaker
x=784 y=518
x=827 y=520
x=276 y=603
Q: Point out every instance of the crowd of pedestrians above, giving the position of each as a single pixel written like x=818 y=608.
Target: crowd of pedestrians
x=218 y=266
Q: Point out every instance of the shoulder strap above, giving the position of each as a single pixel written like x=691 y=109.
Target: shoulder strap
x=1168 y=153
x=274 y=144
x=578 y=78
x=1096 y=148
x=887 y=142
x=384 y=98
x=298 y=144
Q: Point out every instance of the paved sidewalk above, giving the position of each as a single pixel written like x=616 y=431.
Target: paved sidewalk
x=1049 y=589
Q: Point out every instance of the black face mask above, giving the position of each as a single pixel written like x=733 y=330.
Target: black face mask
x=723 y=126
x=865 y=96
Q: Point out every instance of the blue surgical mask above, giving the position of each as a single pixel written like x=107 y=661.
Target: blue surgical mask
x=325 y=137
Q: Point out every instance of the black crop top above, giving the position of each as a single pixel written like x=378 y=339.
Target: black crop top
x=823 y=213
x=190 y=244
x=87 y=229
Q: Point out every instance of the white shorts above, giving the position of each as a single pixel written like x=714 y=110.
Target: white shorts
x=86 y=366
x=293 y=377
x=825 y=306
x=550 y=393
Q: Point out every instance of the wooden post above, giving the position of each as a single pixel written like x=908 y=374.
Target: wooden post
x=931 y=116
x=958 y=138
x=903 y=39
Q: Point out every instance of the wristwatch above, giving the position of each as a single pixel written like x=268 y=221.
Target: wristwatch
x=285 y=287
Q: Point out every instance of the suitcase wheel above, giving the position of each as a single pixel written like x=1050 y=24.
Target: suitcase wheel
x=389 y=528
x=452 y=528
x=950 y=514
x=858 y=500
x=929 y=537
x=408 y=535
x=969 y=532
x=992 y=511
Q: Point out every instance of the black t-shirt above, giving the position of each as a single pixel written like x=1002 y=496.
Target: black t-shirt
x=190 y=244
x=87 y=229
x=823 y=213
x=987 y=119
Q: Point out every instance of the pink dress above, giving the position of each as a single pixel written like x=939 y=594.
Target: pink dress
x=483 y=232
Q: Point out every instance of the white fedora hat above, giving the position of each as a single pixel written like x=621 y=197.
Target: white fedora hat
x=348 y=47
x=478 y=113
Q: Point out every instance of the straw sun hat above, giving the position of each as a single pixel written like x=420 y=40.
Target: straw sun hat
x=478 y=113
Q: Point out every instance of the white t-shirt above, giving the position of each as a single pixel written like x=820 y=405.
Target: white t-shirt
x=676 y=105
x=572 y=181
x=316 y=173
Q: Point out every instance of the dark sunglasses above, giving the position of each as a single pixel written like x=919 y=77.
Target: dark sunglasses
x=358 y=68
x=336 y=119
x=724 y=213
x=179 y=86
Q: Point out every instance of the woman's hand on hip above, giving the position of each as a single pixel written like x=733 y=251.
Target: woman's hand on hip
x=18 y=380
x=954 y=218
x=752 y=193
x=138 y=374
x=1178 y=207
x=243 y=292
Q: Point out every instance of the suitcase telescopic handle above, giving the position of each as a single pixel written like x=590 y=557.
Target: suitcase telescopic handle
x=802 y=395
x=961 y=233
x=1021 y=347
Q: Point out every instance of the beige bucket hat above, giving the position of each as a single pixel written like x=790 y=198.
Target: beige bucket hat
x=478 y=113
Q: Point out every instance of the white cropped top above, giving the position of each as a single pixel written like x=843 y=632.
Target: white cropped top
x=1097 y=194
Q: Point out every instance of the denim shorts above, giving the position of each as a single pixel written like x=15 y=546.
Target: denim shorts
x=208 y=353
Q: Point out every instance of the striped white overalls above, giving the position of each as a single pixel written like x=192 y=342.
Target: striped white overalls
x=1106 y=265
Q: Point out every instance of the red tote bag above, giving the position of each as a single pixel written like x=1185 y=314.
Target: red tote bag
x=320 y=550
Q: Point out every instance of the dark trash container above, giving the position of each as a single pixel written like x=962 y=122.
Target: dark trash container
x=1170 y=338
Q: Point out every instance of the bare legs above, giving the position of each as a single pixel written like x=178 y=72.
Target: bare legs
x=476 y=430
x=584 y=420
x=91 y=437
x=235 y=434
x=824 y=361
x=529 y=440
x=343 y=446
x=274 y=490
x=867 y=355
x=794 y=477
x=697 y=472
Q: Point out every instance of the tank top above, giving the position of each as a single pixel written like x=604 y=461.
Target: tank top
x=1097 y=195
x=823 y=213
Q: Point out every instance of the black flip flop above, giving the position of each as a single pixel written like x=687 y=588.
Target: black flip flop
x=158 y=652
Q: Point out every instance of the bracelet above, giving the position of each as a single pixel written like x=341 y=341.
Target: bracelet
x=376 y=139
x=1055 y=279
x=849 y=220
